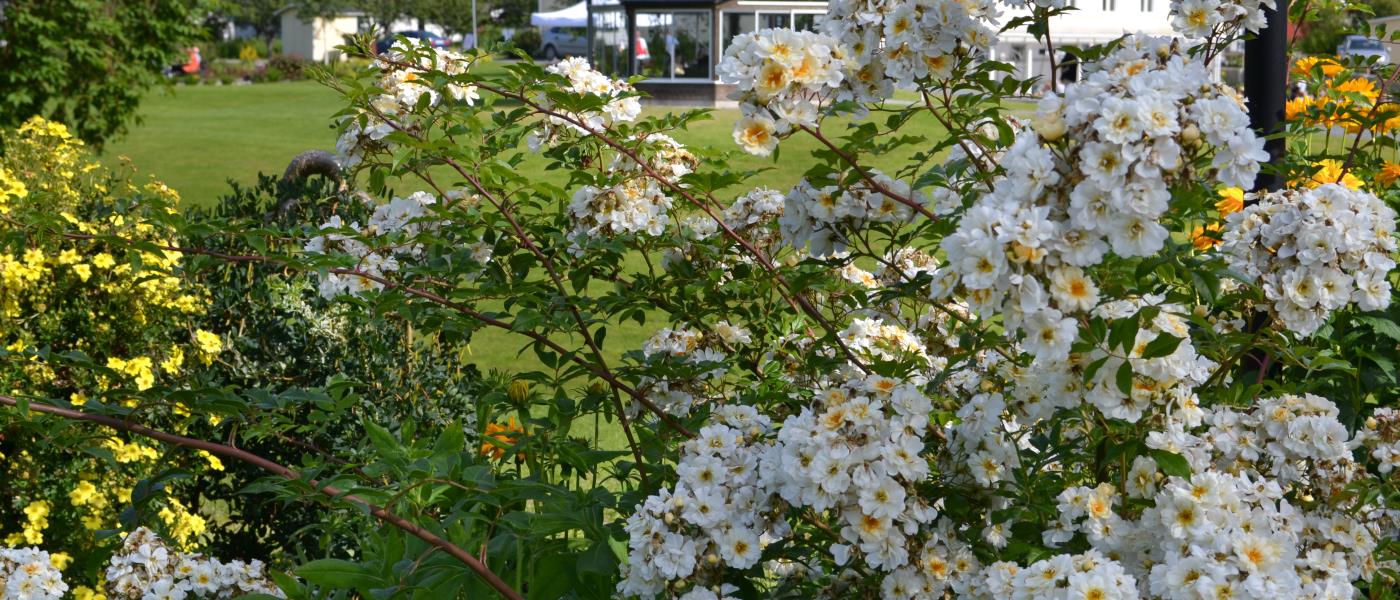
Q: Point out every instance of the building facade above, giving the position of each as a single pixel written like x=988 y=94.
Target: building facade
x=677 y=44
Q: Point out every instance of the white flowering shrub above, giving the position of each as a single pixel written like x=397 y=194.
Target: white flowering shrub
x=1056 y=352
x=29 y=573
x=1315 y=251
x=143 y=568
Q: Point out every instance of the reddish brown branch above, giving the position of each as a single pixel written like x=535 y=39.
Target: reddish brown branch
x=331 y=491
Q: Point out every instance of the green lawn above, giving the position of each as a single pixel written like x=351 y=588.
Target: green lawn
x=197 y=138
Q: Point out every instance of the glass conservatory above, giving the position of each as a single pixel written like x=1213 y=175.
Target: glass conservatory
x=677 y=44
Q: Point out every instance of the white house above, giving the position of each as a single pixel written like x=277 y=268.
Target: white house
x=1094 y=22
x=316 y=38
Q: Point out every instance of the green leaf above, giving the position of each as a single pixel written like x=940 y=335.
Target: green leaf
x=1124 y=377
x=1163 y=345
x=1172 y=463
x=1383 y=326
x=339 y=574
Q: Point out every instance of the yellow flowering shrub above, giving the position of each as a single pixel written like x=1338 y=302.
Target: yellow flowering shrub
x=64 y=291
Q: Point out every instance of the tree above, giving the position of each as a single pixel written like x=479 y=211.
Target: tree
x=87 y=63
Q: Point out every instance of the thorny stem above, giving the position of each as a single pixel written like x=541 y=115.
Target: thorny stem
x=476 y=565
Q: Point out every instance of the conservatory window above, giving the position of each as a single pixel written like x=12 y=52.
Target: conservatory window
x=673 y=45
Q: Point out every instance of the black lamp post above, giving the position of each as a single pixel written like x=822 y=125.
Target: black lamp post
x=1266 y=88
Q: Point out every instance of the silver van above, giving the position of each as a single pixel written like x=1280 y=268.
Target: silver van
x=558 y=42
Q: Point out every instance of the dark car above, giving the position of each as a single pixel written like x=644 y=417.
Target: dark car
x=433 y=39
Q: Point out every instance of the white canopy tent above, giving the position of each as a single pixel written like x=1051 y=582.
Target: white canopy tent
x=573 y=16
x=577 y=16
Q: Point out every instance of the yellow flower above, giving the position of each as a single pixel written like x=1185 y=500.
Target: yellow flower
x=214 y=462
x=84 y=272
x=1295 y=107
x=103 y=261
x=1330 y=171
x=1365 y=87
x=60 y=560
x=209 y=343
x=1305 y=66
x=83 y=592
x=77 y=399
x=82 y=493
x=173 y=363
x=1231 y=201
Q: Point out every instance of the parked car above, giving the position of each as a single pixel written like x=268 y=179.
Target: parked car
x=434 y=39
x=557 y=42
x=1363 y=47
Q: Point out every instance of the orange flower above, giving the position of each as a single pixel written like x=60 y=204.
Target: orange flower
x=1389 y=173
x=1231 y=201
x=1295 y=107
x=1329 y=171
x=1305 y=66
x=1360 y=85
x=1202 y=241
x=506 y=434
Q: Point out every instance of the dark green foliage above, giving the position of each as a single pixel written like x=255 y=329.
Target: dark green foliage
x=282 y=336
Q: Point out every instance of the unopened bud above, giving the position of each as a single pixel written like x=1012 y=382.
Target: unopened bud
x=1190 y=135
x=518 y=391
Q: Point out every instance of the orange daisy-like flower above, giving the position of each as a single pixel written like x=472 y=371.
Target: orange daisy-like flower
x=1295 y=107
x=1359 y=85
x=1390 y=172
x=1329 y=171
x=1305 y=66
x=1206 y=237
x=1231 y=201
x=506 y=434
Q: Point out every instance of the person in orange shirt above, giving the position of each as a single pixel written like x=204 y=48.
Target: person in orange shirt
x=192 y=65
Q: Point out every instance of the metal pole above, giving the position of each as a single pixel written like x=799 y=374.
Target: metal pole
x=476 y=35
x=1266 y=88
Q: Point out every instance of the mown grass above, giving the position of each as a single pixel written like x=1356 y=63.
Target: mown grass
x=198 y=138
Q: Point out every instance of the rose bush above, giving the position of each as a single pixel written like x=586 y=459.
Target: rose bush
x=1059 y=354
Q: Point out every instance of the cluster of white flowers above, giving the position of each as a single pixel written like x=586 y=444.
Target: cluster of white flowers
x=687 y=364
x=858 y=454
x=634 y=205
x=1166 y=381
x=821 y=218
x=391 y=229
x=405 y=89
x=1314 y=252
x=783 y=77
x=1231 y=530
x=145 y=568
x=1060 y=577
x=621 y=103
x=1218 y=18
x=875 y=339
x=1093 y=176
x=1381 y=436
x=29 y=574
x=638 y=203
x=900 y=43
x=718 y=515
x=753 y=214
